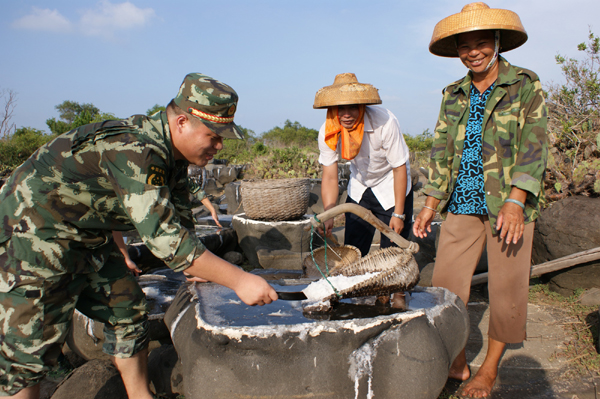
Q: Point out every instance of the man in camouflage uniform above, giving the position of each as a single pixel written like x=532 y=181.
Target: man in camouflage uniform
x=487 y=163
x=57 y=253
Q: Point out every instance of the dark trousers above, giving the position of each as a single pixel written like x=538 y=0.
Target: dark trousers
x=360 y=233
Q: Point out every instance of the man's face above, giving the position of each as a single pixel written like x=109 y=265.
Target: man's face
x=196 y=143
x=348 y=115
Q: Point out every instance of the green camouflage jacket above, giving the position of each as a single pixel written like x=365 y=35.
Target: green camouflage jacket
x=514 y=149
x=59 y=207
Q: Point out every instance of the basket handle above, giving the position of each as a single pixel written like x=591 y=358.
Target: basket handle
x=368 y=217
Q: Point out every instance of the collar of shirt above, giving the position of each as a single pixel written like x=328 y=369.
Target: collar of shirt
x=162 y=116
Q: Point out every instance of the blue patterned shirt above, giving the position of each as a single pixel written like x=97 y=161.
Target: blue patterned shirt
x=468 y=197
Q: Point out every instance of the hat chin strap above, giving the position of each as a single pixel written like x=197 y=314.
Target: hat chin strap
x=496 y=49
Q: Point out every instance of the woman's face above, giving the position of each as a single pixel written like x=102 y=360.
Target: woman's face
x=476 y=49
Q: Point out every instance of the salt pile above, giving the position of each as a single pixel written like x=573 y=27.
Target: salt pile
x=321 y=289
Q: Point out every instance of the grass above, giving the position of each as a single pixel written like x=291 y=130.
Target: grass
x=581 y=325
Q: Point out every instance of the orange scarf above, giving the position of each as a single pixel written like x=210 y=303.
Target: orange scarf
x=351 y=138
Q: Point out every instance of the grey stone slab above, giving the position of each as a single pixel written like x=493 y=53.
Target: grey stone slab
x=545 y=338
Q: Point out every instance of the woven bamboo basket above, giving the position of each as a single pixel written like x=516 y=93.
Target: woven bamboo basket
x=336 y=257
x=275 y=200
x=398 y=271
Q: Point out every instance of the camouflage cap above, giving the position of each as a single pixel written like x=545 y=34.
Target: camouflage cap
x=213 y=102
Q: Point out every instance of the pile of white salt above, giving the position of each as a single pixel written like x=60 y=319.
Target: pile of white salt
x=321 y=289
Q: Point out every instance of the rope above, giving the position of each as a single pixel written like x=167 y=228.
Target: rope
x=312 y=232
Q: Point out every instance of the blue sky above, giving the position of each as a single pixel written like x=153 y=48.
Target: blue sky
x=124 y=57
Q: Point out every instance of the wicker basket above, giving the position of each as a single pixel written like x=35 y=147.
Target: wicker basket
x=336 y=256
x=275 y=200
x=398 y=272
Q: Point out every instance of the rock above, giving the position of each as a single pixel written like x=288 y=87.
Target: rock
x=426 y=275
x=164 y=371
x=85 y=337
x=224 y=174
x=233 y=197
x=568 y=226
x=234 y=257
x=282 y=354
x=213 y=187
x=566 y=281
x=591 y=297
x=96 y=379
x=287 y=235
x=220 y=241
x=315 y=203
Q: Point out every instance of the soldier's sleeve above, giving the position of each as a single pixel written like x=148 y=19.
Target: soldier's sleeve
x=439 y=172
x=139 y=181
x=196 y=190
x=180 y=196
x=531 y=158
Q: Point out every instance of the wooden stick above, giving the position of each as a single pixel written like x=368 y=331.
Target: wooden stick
x=368 y=217
x=552 y=265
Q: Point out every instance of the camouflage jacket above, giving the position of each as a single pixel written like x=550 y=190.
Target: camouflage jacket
x=59 y=207
x=514 y=150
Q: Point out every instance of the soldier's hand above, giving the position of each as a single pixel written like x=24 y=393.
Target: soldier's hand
x=254 y=290
x=215 y=217
x=189 y=277
x=131 y=265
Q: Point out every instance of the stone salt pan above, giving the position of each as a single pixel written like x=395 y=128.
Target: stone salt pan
x=321 y=289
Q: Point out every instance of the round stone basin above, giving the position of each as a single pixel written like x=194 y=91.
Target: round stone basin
x=230 y=350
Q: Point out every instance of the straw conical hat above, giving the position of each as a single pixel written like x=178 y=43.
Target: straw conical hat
x=346 y=90
x=477 y=16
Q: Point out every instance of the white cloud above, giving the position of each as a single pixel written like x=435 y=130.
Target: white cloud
x=108 y=18
x=44 y=20
x=105 y=20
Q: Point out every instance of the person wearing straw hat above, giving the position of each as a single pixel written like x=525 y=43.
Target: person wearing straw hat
x=57 y=250
x=370 y=138
x=487 y=166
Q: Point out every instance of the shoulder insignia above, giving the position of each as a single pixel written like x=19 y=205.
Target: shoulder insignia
x=157 y=176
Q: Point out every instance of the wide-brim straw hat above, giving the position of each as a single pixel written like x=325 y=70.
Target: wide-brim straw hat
x=346 y=90
x=477 y=16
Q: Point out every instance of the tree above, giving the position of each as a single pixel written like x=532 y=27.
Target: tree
x=291 y=134
x=155 y=108
x=574 y=125
x=9 y=98
x=72 y=115
x=421 y=142
x=69 y=110
x=239 y=151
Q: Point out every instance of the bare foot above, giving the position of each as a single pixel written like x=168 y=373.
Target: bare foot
x=460 y=372
x=481 y=385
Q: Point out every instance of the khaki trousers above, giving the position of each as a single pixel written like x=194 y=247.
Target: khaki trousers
x=462 y=240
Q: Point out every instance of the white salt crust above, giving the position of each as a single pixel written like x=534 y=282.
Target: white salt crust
x=321 y=289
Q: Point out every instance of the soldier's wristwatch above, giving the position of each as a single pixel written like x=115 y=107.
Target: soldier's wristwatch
x=401 y=217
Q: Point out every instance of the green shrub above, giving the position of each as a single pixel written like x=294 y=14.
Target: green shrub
x=15 y=149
